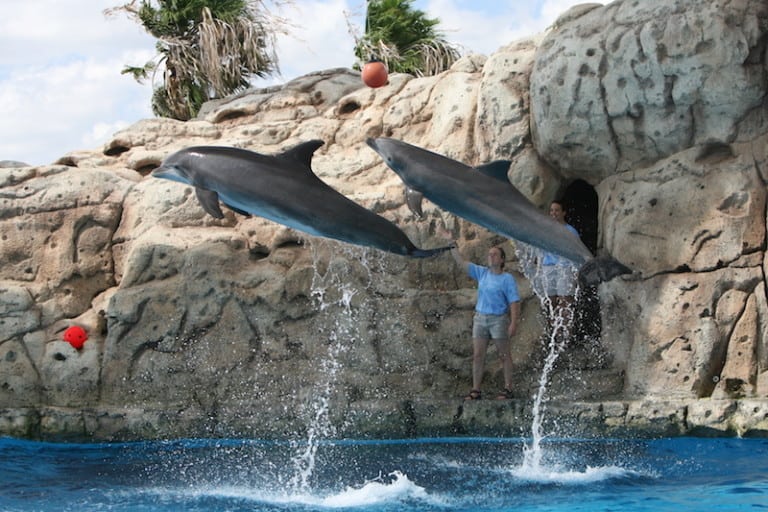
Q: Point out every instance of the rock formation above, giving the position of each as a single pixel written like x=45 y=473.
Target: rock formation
x=205 y=327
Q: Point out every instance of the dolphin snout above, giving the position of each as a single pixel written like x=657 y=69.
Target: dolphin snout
x=372 y=143
x=158 y=172
x=171 y=172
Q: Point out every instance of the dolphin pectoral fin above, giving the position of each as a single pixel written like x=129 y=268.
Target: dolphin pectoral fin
x=302 y=153
x=426 y=253
x=497 y=169
x=209 y=200
x=413 y=200
x=601 y=269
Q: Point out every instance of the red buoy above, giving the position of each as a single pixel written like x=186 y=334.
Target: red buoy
x=374 y=73
x=75 y=336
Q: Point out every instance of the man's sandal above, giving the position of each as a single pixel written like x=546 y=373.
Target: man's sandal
x=474 y=394
x=505 y=395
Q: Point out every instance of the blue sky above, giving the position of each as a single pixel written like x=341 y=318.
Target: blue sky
x=60 y=84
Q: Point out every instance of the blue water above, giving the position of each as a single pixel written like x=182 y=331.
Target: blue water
x=452 y=474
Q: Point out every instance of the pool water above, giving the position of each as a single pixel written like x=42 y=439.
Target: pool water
x=450 y=474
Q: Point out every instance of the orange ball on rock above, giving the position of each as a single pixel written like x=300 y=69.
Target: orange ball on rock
x=75 y=336
x=374 y=74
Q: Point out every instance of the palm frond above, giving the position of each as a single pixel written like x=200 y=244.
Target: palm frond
x=405 y=39
x=209 y=48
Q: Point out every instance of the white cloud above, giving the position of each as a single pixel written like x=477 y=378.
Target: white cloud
x=476 y=30
x=48 y=32
x=319 y=38
x=60 y=84
x=46 y=110
x=484 y=26
x=60 y=76
x=101 y=132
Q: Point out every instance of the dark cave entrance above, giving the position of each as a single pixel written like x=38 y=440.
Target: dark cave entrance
x=581 y=204
x=580 y=200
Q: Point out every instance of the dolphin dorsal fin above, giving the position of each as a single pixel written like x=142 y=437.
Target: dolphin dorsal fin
x=496 y=169
x=302 y=153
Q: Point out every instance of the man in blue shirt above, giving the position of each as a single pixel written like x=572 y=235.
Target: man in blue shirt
x=496 y=316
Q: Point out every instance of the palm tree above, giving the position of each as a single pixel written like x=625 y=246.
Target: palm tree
x=405 y=39
x=206 y=49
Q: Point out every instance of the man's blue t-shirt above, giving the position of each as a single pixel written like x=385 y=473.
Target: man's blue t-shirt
x=495 y=292
x=553 y=259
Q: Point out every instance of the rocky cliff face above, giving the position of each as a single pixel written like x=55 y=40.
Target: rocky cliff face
x=243 y=327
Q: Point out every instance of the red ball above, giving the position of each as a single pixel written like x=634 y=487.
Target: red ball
x=374 y=74
x=75 y=336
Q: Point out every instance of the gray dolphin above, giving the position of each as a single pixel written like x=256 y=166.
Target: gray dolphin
x=283 y=188
x=479 y=197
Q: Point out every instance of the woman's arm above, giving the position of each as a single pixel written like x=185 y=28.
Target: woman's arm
x=514 y=318
x=457 y=257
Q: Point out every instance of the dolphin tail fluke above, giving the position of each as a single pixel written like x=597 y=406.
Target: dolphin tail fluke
x=426 y=253
x=601 y=269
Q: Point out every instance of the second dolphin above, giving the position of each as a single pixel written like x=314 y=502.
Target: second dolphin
x=484 y=200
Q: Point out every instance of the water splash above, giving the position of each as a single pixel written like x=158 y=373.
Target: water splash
x=390 y=490
x=532 y=454
x=564 y=476
x=333 y=292
x=379 y=491
x=557 y=339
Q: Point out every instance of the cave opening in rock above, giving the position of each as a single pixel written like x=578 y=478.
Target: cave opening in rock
x=581 y=203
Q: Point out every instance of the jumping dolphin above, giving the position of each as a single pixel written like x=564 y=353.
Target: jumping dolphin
x=480 y=198
x=283 y=188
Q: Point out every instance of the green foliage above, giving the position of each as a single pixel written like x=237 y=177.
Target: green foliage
x=405 y=39
x=206 y=49
x=179 y=18
x=191 y=100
